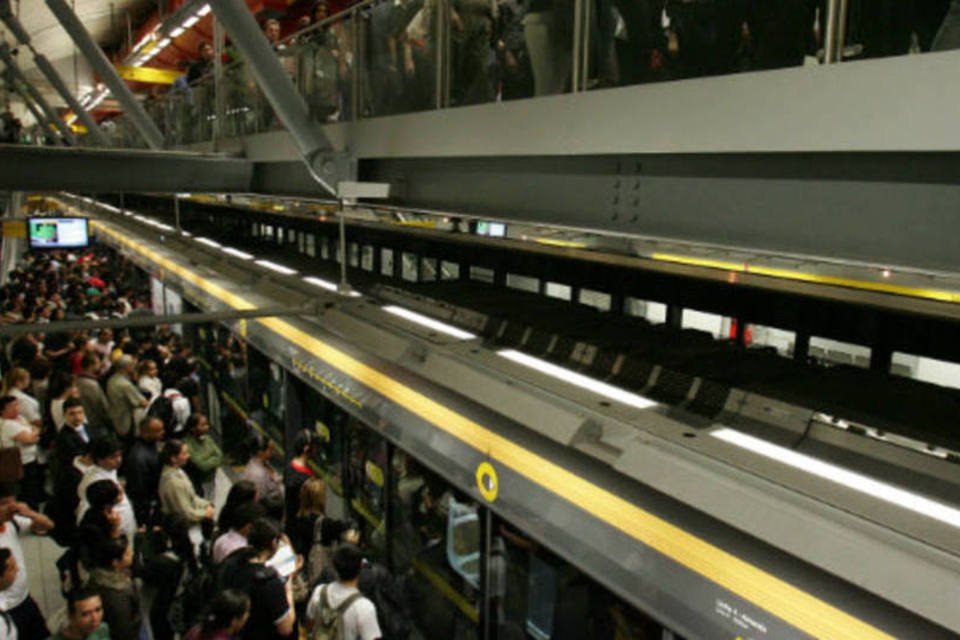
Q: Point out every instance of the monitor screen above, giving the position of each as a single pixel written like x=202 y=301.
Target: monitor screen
x=58 y=233
x=492 y=229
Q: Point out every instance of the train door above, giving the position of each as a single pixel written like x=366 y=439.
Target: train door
x=536 y=595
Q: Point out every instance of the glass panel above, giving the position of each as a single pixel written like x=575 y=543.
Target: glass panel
x=399 y=57
x=833 y=352
x=409 y=267
x=386 y=262
x=366 y=257
x=436 y=536
x=450 y=270
x=532 y=52
x=481 y=274
x=325 y=67
x=366 y=477
x=557 y=290
x=524 y=283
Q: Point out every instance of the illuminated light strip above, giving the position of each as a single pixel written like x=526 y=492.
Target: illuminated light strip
x=189 y=22
x=858 y=482
x=430 y=323
x=209 y=242
x=330 y=286
x=237 y=253
x=578 y=380
x=204 y=10
x=777 y=597
x=176 y=33
x=566 y=244
x=279 y=268
x=940 y=295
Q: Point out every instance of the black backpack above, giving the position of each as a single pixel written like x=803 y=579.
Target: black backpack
x=389 y=596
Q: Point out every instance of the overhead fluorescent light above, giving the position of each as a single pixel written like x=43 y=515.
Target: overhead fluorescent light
x=177 y=32
x=237 y=253
x=323 y=284
x=330 y=286
x=579 y=380
x=279 y=268
x=162 y=43
x=430 y=323
x=189 y=22
x=186 y=233
x=109 y=207
x=204 y=10
x=856 y=481
x=208 y=242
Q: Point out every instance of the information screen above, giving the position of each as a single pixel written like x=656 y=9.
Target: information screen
x=58 y=233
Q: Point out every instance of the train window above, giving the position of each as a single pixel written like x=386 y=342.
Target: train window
x=481 y=274
x=716 y=325
x=386 y=262
x=436 y=535
x=353 y=254
x=366 y=476
x=428 y=269
x=324 y=247
x=267 y=231
x=311 y=245
x=366 y=257
x=255 y=230
x=653 y=312
x=449 y=270
x=940 y=372
x=301 y=241
x=597 y=299
x=409 y=271
x=834 y=352
x=265 y=380
x=557 y=290
x=759 y=335
x=523 y=283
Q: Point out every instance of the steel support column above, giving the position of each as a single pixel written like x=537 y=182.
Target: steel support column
x=9 y=19
x=324 y=165
x=98 y=60
x=7 y=56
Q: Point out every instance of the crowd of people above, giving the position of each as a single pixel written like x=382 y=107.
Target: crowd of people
x=107 y=450
x=510 y=49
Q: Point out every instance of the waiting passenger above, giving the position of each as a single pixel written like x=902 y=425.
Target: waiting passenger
x=236 y=536
x=107 y=455
x=123 y=395
x=17 y=432
x=203 y=65
x=343 y=598
x=101 y=522
x=705 y=35
x=274 y=616
x=91 y=393
x=242 y=492
x=142 y=469
x=16 y=383
x=298 y=470
x=227 y=615
x=75 y=436
x=15 y=519
x=177 y=495
x=205 y=454
x=84 y=617
x=267 y=481
x=111 y=578
x=148 y=380
x=8 y=575
x=780 y=32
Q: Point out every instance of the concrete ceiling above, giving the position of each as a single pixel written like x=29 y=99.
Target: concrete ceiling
x=106 y=20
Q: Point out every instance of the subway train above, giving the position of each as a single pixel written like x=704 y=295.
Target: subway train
x=521 y=498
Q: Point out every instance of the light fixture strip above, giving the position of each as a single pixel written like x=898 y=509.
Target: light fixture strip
x=323 y=284
x=429 y=323
x=850 y=479
x=279 y=268
x=579 y=380
x=208 y=242
x=237 y=253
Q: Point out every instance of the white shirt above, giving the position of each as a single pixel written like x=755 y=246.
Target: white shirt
x=16 y=593
x=8 y=630
x=29 y=407
x=9 y=429
x=360 y=618
x=181 y=408
x=152 y=387
x=128 y=522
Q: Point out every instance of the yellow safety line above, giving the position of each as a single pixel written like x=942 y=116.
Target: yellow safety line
x=779 y=598
x=789 y=274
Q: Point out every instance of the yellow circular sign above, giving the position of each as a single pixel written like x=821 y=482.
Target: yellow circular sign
x=487 y=481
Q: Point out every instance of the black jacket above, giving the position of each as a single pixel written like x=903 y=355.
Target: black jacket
x=141 y=468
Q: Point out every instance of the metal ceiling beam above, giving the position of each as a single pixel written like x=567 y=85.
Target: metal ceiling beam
x=10 y=330
x=91 y=170
x=32 y=108
x=326 y=166
x=7 y=56
x=98 y=60
x=13 y=23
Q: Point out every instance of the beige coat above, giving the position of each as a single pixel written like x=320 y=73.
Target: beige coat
x=178 y=496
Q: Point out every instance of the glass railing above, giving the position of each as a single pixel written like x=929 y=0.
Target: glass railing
x=385 y=57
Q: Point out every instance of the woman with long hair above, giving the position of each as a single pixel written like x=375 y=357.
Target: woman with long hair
x=228 y=613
